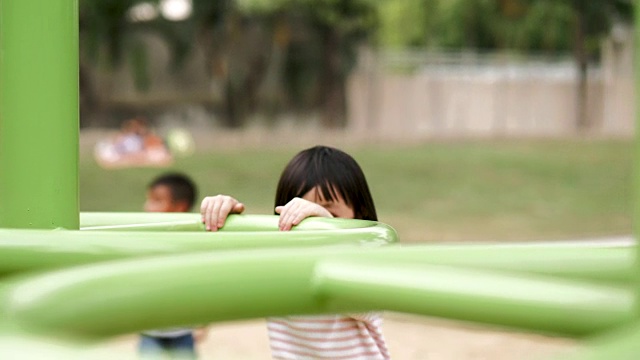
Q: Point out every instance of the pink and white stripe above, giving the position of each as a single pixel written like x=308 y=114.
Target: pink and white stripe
x=355 y=337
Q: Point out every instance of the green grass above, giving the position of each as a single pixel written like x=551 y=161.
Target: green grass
x=456 y=191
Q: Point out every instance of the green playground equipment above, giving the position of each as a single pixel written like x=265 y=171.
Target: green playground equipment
x=69 y=279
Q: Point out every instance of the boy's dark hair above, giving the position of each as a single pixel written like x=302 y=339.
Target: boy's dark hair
x=334 y=172
x=181 y=186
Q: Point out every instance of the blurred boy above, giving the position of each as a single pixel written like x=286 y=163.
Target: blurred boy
x=171 y=192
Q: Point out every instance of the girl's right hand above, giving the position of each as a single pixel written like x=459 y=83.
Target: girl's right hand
x=215 y=209
x=297 y=210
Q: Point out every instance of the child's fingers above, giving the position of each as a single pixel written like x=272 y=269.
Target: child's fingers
x=238 y=208
x=214 y=210
x=203 y=207
x=215 y=214
x=297 y=210
x=287 y=214
x=227 y=206
x=288 y=223
x=206 y=209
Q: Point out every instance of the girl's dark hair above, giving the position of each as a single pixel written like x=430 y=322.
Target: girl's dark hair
x=334 y=172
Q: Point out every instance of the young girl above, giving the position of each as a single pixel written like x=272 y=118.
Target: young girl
x=320 y=181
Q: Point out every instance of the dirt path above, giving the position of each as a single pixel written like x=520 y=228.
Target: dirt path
x=409 y=338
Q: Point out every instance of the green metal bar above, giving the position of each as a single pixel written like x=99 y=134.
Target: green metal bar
x=147 y=221
x=141 y=221
x=39 y=114
x=636 y=208
x=620 y=343
x=501 y=298
x=36 y=250
x=614 y=265
x=18 y=345
x=131 y=295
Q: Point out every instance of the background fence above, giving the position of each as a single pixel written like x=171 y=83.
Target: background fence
x=414 y=94
x=423 y=94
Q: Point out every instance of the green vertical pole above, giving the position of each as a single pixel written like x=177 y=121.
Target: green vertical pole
x=636 y=208
x=39 y=114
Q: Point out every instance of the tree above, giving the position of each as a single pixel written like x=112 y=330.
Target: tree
x=334 y=29
x=593 y=19
x=308 y=44
x=548 y=26
x=102 y=25
x=109 y=37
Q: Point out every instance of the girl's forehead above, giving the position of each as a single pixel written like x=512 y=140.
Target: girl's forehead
x=326 y=193
x=336 y=205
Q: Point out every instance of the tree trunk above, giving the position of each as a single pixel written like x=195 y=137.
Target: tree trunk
x=581 y=58
x=332 y=89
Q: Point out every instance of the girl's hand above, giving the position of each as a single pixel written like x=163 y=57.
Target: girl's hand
x=215 y=209
x=297 y=210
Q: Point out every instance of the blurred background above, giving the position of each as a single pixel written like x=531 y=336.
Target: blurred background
x=474 y=120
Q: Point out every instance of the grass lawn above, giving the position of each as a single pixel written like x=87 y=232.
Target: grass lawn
x=454 y=191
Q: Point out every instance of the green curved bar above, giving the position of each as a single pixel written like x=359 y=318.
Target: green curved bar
x=99 y=219
x=614 y=265
x=33 y=250
x=265 y=282
x=17 y=345
x=36 y=250
x=521 y=301
x=134 y=221
x=619 y=343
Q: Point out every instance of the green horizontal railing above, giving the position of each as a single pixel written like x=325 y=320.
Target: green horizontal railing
x=143 y=221
x=131 y=295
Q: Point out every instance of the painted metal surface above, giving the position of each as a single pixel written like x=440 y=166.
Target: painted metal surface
x=39 y=114
x=132 y=295
x=145 y=221
x=37 y=250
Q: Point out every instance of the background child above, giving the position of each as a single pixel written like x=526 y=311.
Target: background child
x=172 y=192
x=320 y=181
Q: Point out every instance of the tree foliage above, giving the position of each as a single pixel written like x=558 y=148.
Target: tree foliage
x=527 y=26
x=270 y=56
x=309 y=46
x=521 y=25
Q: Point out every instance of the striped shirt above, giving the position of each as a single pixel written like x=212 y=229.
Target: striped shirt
x=340 y=337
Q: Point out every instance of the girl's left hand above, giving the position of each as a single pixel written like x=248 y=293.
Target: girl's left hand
x=297 y=210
